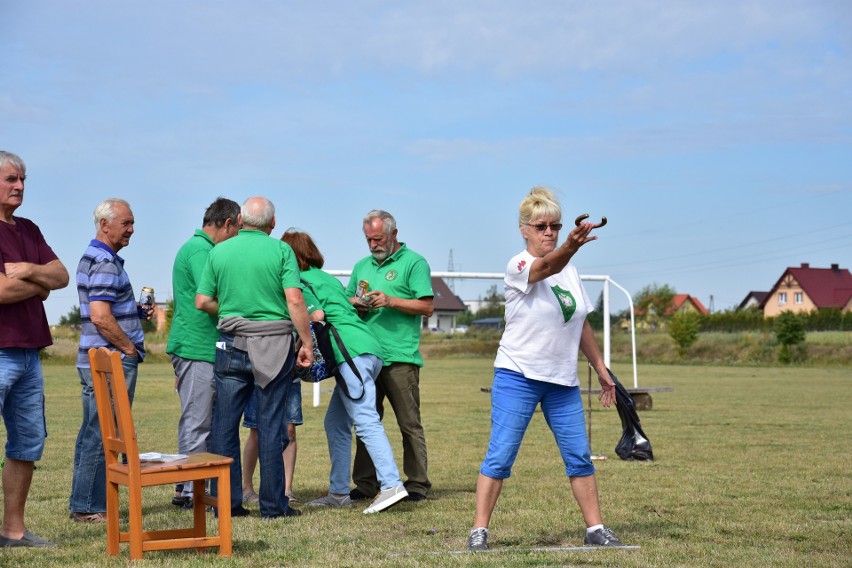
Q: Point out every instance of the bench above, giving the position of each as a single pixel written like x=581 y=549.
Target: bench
x=641 y=395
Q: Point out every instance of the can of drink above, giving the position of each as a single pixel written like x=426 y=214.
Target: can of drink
x=362 y=288
x=146 y=297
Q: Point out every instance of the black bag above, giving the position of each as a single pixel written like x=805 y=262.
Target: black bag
x=634 y=445
x=325 y=365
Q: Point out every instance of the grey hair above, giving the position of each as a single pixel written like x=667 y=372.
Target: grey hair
x=258 y=212
x=386 y=218
x=13 y=159
x=106 y=209
x=539 y=202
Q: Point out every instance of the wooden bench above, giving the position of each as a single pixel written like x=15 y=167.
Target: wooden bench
x=641 y=395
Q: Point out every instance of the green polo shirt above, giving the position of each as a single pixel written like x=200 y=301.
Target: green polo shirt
x=404 y=274
x=325 y=292
x=248 y=274
x=193 y=333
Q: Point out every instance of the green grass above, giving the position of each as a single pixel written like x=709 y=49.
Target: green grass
x=752 y=470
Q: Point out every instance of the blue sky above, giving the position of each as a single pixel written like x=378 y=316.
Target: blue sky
x=715 y=136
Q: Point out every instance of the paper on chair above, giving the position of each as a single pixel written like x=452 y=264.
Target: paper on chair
x=158 y=457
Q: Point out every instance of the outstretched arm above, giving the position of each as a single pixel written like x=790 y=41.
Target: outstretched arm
x=557 y=259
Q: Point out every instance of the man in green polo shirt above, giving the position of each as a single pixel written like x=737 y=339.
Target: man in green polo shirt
x=193 y=335
x=251 y=282
x=399 y=294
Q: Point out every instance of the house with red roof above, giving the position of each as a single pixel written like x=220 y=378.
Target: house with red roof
x=687 y=303
x=805 y=289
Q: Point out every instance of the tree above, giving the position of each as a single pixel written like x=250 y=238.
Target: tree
x=790 y=333
x=495 y=305
x=683 y=328
x=72 y=317
x=653 y=303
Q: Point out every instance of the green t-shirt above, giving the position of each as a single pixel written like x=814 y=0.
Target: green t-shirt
x=325 y=292
x=248 y=275
x=193 y=333
x=404 y=274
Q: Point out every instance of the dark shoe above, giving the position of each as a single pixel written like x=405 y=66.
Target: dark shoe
x=236 y=512
x=29 y=539
x=414 y=496
x=291 y=512
x=97 y=518
x=184 y=502
x=602 y=537
x=358 y=495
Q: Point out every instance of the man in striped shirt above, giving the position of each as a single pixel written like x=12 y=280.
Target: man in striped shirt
x=111 y=318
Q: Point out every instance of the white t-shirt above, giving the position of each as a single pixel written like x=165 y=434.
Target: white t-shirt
x=544 y=322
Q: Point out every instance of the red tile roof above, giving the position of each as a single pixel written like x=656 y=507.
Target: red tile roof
x=826 y=287
x=679 y=299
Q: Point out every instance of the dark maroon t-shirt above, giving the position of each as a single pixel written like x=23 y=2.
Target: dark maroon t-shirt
x=23 y=324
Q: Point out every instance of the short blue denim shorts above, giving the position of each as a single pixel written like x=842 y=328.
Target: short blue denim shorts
x=292 y=414
x=22 y=403
x=514 y=399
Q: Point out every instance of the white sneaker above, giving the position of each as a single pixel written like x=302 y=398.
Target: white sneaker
x=387 y=498
x=330 y=501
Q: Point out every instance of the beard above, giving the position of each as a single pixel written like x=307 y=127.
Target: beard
x=380 y=254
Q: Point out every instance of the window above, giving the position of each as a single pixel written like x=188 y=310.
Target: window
x=798 y=298
x=782 y=298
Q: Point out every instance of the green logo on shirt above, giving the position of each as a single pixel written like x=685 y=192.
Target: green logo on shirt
x=391 y=274
x=566 y=302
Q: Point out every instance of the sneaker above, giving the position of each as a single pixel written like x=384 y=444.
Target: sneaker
x=415 y=497
x=330 y=501
x=97 y=518
x=602 y=537
x=28 y=539
x=387 y=498
x=184 y=502
x=291 y=512
x=358 y=495
x=478 y=539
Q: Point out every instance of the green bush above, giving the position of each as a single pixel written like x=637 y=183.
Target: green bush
x=790 y=332
x=683 y=328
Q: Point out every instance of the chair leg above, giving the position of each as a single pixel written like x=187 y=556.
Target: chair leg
x=224 y=507
x=135 y=520
x=112 y=528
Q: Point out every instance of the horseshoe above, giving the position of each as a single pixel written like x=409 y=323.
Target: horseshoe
x=585 y=216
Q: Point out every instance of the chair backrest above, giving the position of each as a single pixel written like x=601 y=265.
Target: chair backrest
x=117 y=430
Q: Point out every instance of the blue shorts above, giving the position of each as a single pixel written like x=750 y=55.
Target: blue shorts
x=514 y=398
x=292 y=414
x=22 y=403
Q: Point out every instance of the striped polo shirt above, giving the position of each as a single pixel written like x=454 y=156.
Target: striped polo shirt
x=101 y=277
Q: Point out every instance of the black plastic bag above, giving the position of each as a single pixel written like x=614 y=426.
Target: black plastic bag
x=634 y=445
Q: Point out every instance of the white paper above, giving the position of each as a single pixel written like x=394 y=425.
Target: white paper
x=158 y=457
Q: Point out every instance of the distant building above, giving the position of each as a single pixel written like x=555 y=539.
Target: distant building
x=446 y=308
x=686 y=303
x=489 y=323
x=752 y=301
x=805 y=289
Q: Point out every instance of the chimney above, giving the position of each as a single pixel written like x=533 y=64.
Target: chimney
x=806 y=265
x=835 y=267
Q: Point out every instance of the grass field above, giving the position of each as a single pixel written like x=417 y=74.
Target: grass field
x=752 y=469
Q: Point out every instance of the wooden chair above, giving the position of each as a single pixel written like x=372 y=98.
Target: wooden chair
x=119 y=437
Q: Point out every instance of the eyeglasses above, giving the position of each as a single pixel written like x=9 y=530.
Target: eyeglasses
x=542 y=227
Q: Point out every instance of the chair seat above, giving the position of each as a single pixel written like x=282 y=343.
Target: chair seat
x=192 y=461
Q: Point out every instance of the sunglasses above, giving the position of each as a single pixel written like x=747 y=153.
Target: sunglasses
x=542 y=227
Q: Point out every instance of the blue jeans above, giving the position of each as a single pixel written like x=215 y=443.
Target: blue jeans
x=514 y=398
x=22 y=403
x=88 y=486
x=343 y=412
x=292 y=415
x=234 y=388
